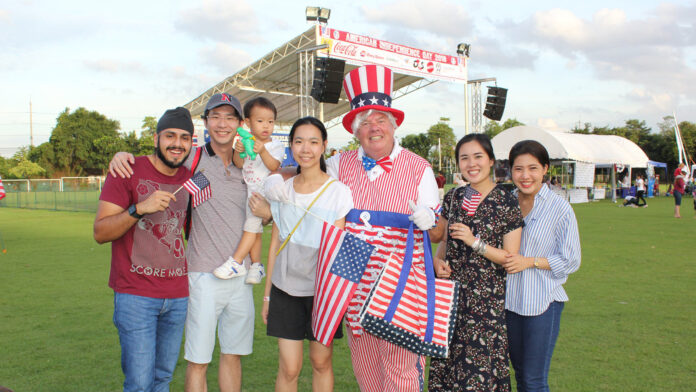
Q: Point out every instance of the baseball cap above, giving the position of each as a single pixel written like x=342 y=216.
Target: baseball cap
x=220 y=99
x=179 y=118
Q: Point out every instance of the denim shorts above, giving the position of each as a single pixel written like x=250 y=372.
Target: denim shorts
x=677 y=198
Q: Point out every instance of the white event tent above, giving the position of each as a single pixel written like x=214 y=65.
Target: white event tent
x=586 y=151
x=602 y=150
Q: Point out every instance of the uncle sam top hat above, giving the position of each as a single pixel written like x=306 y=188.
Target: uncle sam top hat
x=369 y=87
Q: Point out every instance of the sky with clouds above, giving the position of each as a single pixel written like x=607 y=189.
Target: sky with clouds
x=564 y=63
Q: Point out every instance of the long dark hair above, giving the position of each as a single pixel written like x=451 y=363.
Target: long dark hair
x=482 y=139
x=531 y=147
x=309 y=120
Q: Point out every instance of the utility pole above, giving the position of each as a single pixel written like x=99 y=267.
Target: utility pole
x=439 y=153
x=31 y=126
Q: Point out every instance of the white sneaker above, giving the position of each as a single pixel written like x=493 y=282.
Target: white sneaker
x=230 y=269
x=256 y=273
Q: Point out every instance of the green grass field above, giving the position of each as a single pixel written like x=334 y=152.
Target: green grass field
x=630 y=324
x=50 y=200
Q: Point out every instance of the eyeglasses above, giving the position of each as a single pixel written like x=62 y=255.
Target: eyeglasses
x=217 y=117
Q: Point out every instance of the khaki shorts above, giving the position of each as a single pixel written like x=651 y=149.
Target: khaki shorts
x=225 y=305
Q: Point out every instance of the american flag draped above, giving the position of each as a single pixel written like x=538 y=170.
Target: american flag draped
x=342 y=261
x=199 y=188
x=472 y=198
x=2 y=190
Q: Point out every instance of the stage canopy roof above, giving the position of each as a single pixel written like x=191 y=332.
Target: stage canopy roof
x=277 y=74
x=597 y=149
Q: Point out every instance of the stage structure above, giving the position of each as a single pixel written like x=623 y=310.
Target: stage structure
x=287 y=73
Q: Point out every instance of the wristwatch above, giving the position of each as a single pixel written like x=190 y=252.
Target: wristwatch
x=536 y=262
x=132 y=211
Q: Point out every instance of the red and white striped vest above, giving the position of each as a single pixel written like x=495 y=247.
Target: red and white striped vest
x=389 y=192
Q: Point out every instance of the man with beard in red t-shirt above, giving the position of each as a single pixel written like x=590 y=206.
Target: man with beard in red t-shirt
x=143 y=216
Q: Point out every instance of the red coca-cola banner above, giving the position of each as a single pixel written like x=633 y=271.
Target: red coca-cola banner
x=360 y=50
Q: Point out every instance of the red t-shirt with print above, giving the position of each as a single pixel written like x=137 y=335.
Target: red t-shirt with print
x=149 y=260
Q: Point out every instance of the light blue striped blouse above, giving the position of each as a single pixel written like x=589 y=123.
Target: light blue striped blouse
x=550 y=231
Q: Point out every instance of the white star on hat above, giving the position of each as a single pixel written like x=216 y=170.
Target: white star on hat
x=361 y=102
x=386 y=102
x=374 y=100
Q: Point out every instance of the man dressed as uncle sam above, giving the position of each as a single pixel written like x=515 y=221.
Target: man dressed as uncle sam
x=391 y=188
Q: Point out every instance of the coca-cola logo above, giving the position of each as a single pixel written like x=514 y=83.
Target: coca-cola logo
x=346 y=49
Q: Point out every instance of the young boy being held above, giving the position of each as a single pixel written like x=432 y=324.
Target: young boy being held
x=259 y=116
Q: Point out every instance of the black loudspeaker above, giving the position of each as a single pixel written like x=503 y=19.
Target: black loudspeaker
x=328 y=79
x=495 y=103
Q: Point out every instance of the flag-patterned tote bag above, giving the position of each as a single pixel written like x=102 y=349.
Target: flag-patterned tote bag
x=411 y=308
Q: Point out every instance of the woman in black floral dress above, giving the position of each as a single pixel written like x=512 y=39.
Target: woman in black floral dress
x=485 y=223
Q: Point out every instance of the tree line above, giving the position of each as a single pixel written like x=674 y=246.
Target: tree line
x=83 y=142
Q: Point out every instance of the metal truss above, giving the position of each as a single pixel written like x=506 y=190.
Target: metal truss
x=308 y=106
x=477 y=103
x=476 y=112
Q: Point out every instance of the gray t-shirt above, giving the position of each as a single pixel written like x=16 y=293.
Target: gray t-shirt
x=216 y=225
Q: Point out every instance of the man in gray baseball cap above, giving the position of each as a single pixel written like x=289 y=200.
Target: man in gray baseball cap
x=220 y=99
x=215 y=234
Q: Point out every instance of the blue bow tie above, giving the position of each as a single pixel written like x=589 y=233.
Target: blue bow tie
x=368 y=163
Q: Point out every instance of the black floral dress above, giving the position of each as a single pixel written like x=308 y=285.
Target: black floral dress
x=478 y=358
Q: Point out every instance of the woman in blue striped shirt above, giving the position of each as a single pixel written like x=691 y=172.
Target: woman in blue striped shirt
x=549 y=252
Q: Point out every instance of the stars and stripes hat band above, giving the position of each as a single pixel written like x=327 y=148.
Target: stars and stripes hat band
x=369 y=87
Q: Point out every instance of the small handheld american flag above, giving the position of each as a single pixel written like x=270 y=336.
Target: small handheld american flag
x=472 y=198
x=199 y=188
